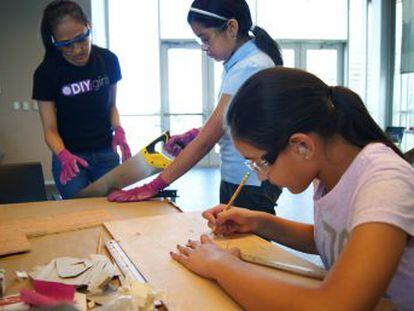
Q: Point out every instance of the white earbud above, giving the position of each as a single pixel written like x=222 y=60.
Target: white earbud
x=303 y=150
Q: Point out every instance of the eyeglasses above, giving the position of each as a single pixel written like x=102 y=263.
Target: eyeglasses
x=68 y=45
x=262 y=166
x=205 y=44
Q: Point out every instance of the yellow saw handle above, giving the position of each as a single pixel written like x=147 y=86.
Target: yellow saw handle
x=153 y=157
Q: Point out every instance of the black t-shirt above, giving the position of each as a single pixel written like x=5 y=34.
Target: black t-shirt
x=81 y=95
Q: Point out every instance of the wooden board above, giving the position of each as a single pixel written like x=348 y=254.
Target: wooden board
x=42 y=225
x=147 y=242
x=76 y=243
x=12 y=240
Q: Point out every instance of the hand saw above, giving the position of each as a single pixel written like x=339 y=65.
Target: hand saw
x=145 y=163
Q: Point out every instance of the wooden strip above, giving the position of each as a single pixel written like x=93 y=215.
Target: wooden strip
x=62 y=222
x=12 y=240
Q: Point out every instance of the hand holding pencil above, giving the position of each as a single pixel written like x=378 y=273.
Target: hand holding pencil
x=236 y=193
x=226 y=220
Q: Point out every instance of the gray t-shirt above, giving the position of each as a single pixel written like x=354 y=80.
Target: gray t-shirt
x=377 y=187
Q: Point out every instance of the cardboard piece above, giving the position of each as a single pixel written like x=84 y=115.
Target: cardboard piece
x=68 y=267
x=147 y=242
x=100 y=272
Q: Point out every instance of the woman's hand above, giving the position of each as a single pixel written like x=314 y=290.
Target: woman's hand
x=233 y=220
x=204 y=256
x=119 y=139
x=69 y=165
x=141 y=193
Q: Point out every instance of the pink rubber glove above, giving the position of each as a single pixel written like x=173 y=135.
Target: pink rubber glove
x=178 y=142
x=142 y=193
x=119 y=139
x=69 y=165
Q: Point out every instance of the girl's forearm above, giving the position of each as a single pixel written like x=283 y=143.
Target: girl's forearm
x=255 y=289
x=187 y=158
x=115 y=118
x=289 y=233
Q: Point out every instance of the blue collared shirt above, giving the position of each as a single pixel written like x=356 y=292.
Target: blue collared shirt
x=244 y=63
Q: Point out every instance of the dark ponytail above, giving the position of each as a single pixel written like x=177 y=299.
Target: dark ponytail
x=53 y=14
x=239 y=10
x=265 y=43
x=354 y=122
x=288 y=101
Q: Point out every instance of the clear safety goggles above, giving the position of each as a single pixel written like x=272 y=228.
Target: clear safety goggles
x=262 y=166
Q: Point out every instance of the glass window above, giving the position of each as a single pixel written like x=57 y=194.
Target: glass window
x=303 y=19
x=184 y=76
x=373 y=71
x=357 y=47
x=173 y=18
x=181 y=124
x=140 y=130
x=288 y=58
x=324 y=64
x=218 y=72
x=99 y=23
x=138 y=54
x=403 y=97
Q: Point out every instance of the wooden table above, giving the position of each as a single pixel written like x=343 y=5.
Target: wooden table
x=80 y=243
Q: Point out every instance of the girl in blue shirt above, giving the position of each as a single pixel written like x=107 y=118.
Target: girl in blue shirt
x=227 y=34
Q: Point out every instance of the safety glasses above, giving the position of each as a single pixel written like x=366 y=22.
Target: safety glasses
x=216 y=31
x=69 y=43
x=260 y=167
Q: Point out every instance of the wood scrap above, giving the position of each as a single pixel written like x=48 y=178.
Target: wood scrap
x=12 y=240
x=62 y=222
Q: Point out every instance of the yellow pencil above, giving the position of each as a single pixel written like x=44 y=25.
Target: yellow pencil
x=99 y=246
x=236 y=193
x=234 y=196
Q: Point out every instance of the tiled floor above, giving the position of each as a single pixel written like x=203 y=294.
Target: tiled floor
x=199 y=190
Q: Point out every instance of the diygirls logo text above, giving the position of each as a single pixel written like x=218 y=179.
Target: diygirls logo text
x=85 y=86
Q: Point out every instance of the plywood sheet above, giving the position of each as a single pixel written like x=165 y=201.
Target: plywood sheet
x=147 y=241
x=12 y=240
x=42 y=225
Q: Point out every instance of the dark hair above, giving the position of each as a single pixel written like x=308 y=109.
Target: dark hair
x=276 y=103
x=53 y=14
x=239 y=10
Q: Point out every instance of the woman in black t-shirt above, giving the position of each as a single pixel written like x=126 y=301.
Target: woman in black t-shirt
x=75 y=87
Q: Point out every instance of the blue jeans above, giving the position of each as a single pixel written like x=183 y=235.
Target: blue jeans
x=100 y=162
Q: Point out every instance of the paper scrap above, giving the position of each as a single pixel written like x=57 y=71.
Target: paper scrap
x=68 y=267
x=99 y=273
x=21 y=275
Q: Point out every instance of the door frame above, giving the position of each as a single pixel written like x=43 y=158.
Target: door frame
x=208 y=100
x=301 y=46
